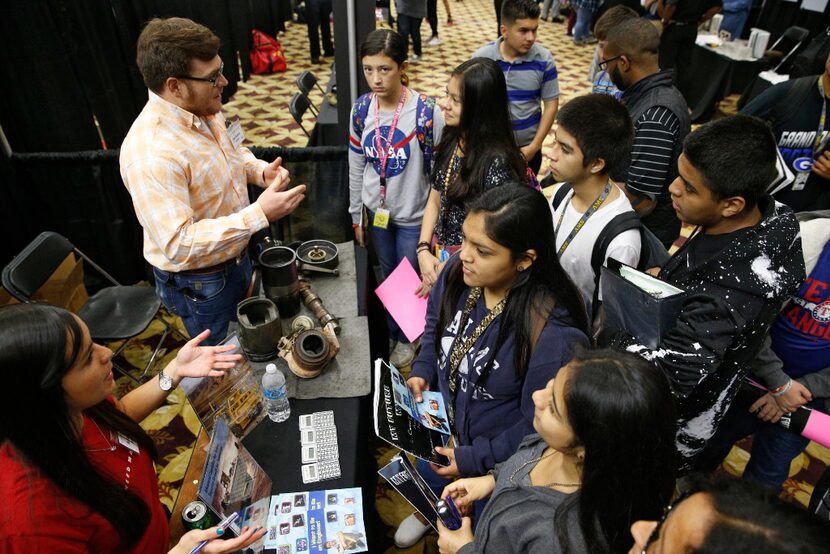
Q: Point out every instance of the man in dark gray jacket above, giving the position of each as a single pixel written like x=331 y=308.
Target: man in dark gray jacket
x=661 y=122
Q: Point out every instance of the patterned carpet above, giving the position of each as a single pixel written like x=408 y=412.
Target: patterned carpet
x=261 y=103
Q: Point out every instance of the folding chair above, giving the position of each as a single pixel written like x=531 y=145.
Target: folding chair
x=305 y=82
x=792 y=38
x=116 y=312
x=298 y=106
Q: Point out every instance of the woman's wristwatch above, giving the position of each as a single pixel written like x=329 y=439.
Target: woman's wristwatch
x=165 y=382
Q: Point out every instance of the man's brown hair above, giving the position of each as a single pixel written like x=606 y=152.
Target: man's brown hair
x=166 y=47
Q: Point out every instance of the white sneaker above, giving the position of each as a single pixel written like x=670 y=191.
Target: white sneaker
x=414 y=58
x=410 y=531
x=434 y=41
x=402 y=355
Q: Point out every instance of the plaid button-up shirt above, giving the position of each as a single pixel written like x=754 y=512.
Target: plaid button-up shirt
x=189 y=187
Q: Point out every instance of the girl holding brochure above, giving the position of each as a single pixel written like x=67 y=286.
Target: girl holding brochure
x=601 y=459
x=502 y=319
x=477 y=152
x=392 y=135
x=76 y=469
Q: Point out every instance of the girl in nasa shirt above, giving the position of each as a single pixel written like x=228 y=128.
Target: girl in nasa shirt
x=392 y=133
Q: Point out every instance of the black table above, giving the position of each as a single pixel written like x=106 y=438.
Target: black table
x=276 y=448
x=712 y=77
x=325 y=131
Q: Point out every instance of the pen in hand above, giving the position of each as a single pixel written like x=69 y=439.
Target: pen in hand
x=224 y=524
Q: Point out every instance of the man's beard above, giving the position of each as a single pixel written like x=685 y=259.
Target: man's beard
x=617 y=79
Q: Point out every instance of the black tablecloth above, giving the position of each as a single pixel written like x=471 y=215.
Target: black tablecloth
x=325 y=130
x=276 y=448
x=712 y=77
x=758 y=85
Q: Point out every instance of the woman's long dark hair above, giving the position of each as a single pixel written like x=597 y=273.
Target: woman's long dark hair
x=621 y=411
x=387 y=43
x=518 y=218
x=38 y=345
x=485 y=127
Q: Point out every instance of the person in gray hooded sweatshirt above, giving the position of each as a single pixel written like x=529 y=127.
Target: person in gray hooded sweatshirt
x=602 y=458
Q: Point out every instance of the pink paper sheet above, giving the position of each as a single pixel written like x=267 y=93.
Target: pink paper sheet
x=397 y=293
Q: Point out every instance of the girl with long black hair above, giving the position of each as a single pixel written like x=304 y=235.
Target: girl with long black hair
x=602 y=457
x=502 y=319
x=76 y=469
x=477 y=152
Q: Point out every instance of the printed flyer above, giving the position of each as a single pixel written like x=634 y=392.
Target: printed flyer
x=325 y=521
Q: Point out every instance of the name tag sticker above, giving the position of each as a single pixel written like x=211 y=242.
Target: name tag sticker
x=127 y=443
x=235 y=132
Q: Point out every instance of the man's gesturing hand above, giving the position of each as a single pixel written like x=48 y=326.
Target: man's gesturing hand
x=277 y=204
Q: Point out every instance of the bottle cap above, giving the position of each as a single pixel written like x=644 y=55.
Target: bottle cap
x=271 y=368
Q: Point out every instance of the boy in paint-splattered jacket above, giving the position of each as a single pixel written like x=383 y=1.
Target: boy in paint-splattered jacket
x=741 y=263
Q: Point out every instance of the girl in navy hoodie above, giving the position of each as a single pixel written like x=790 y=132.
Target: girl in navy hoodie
x=502 y=319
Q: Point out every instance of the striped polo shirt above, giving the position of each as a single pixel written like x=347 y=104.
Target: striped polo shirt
x=531 y=80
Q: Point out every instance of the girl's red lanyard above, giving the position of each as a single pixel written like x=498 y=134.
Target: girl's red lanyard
x=383 y=153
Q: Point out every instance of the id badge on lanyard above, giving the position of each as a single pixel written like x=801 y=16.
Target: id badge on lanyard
x=818 y=146
x=382 y=215
x=381 y=219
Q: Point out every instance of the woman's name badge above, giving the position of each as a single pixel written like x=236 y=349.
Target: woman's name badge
x=127 y=443
x=381 y=220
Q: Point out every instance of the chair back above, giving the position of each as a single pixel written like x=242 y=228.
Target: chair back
x=305 y=81
x=298 y=106
x=789 y=44
x=30 y=269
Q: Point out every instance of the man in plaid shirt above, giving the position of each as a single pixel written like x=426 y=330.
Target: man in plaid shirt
x=187 y=173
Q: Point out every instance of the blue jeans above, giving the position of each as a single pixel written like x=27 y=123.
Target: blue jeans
x=392 y=245
x=554 y=11
x=582 y=28
x=205 y=301
x=773 y=447
x=409 y=26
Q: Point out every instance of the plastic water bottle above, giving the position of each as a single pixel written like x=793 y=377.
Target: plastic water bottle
x=273 y=389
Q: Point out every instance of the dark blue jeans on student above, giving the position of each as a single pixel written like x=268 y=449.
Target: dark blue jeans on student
x=392 y=245
x=205 y=301
x=409 y=26
x=773 y=447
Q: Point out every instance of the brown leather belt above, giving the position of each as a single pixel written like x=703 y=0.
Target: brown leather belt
x=216 y=268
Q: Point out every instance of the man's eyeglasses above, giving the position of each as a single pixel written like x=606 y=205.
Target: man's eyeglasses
x=655 y=533
x=603 y=65
x=212 y=80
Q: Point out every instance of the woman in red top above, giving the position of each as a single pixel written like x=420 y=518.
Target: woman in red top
x=76 y=470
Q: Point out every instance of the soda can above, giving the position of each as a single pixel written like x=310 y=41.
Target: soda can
x=196 y=516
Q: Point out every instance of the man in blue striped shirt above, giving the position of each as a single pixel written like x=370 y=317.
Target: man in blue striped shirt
x=531 y=76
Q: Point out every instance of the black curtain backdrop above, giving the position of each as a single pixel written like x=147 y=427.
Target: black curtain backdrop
x=777 y=16
x=43 y=107
x=81 y=196
x=68 y=62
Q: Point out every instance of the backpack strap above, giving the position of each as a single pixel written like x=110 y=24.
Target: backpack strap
x=424 y=128
x=359 y=115
x=792 y=101
x=560 y=194
x=619 y=224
